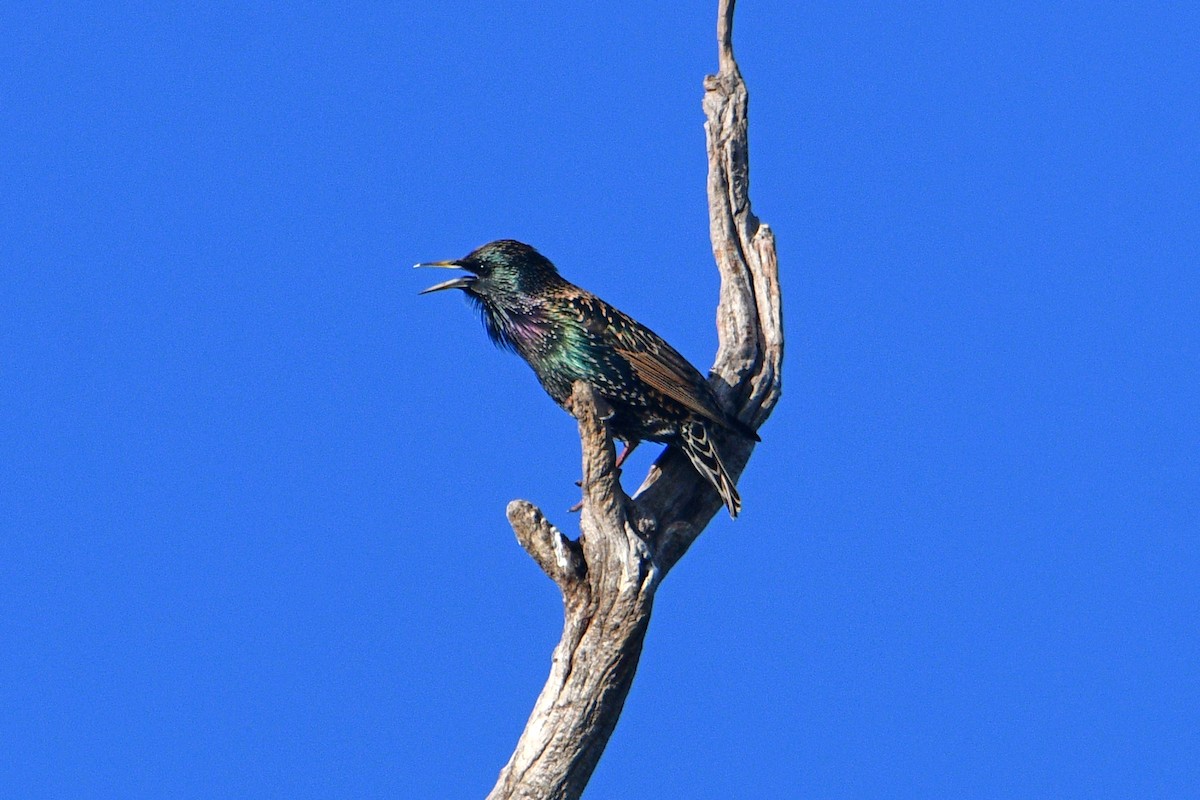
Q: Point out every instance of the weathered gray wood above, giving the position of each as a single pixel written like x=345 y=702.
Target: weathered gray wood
x=609 y=576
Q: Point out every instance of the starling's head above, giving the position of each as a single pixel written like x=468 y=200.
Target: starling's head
x=502 y=273
x=507 y=282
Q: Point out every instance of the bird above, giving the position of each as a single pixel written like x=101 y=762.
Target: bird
x=568 y=334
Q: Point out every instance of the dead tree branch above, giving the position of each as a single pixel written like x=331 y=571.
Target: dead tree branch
x=609 y=576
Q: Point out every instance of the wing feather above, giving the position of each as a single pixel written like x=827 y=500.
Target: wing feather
x=662 y=367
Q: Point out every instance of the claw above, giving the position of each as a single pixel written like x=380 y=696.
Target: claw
x=629 y=448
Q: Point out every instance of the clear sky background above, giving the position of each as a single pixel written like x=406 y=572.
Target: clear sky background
x=253 y=486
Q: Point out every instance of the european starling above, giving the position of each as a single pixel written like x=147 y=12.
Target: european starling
x=568 y=334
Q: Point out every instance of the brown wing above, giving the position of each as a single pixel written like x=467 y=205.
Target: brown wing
x=662 y=367
x=674 y=379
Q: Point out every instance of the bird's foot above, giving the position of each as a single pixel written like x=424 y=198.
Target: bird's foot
x=629 y=448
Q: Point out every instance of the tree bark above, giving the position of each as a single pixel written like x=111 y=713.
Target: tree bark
x=608 y=577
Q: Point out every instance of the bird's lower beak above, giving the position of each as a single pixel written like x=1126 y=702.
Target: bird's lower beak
x=461 y=282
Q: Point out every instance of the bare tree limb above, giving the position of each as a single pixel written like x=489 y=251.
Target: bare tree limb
x=558 y=556
x=609 y=577
x=606 y=608
x=747 y=371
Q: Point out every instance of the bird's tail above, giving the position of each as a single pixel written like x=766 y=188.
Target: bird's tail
x=700 y=450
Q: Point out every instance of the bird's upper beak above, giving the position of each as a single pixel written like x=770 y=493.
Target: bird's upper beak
x=461 y=282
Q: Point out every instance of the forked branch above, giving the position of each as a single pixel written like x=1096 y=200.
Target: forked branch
x=609 y=576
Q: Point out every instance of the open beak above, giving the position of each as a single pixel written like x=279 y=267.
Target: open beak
x=461 y=282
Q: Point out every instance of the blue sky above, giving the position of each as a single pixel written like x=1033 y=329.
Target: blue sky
x=253 y=486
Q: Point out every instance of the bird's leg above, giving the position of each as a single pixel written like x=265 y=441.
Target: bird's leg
x=629 y=448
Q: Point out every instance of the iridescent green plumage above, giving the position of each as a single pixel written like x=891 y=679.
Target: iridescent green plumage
x=567 y=334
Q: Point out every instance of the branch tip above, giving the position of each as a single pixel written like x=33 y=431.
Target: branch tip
x=559 y=557
x=725 y=36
